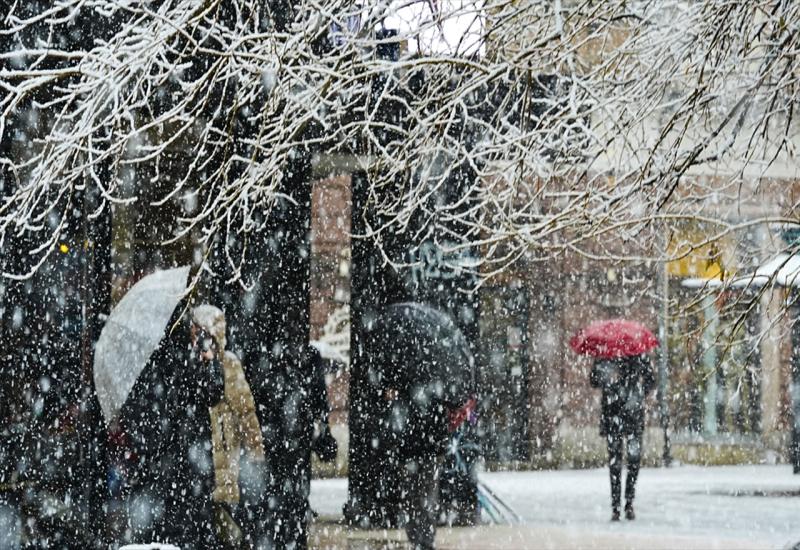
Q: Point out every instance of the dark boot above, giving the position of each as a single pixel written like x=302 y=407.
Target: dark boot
x=615 y=514
x=629 y=511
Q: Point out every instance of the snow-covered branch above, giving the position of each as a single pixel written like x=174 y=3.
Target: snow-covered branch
x=575 y=118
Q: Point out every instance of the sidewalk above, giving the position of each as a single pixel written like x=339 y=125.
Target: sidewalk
x=327 y=535
x=683 y=508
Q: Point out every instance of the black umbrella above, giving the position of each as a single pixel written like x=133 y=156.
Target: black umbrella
x=418 y=348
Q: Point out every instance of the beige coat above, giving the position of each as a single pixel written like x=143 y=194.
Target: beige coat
x=234 y=425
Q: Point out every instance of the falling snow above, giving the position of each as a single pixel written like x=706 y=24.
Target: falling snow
x=463 y=273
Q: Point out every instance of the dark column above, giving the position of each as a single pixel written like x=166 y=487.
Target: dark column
x=283 y=345
x=372 y=287
x=12 y=301
x=361 y=484
x=287 y=297
x=268 y=318
x=436 y=276
x=752 y=331
x=268 y=326
x=96 y=294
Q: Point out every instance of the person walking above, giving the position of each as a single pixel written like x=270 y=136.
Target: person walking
x=323 y=444
x=166 y=419
x=625 y=382
x=422 y=371
x=287 y=426
x=237 y=446
x=199 y=385
x=416 y=426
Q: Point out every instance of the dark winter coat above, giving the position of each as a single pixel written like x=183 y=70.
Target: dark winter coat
x=625 y=382
x=167 y=419
x=422 y=369
x=287 y=424
x=416 y=422
x=198 y=386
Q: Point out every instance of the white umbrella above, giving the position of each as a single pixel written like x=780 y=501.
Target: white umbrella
x=132 y=333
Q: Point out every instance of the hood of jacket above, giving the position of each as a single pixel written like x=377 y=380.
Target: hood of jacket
x=212 y=320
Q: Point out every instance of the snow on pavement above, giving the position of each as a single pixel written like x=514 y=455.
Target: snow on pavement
x=720 y=505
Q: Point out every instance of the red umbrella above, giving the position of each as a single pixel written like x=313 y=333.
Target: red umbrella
x=614 y=338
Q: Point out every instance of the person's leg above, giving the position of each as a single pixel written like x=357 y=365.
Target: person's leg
x=289 y=526
x=419 y=498
x=392 y=485
x=634 y=444
x=614 y=442
x=283 y=524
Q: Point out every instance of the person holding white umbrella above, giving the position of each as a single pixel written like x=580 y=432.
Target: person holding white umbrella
x=150 y=378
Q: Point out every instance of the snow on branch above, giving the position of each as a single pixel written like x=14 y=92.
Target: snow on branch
x=574 y=118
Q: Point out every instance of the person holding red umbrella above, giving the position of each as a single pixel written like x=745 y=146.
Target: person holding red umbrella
x=623 y=372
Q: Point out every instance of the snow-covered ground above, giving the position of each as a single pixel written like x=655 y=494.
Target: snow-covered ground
x=736 y=503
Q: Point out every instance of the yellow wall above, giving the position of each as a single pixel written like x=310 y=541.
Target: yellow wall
x=693 y=257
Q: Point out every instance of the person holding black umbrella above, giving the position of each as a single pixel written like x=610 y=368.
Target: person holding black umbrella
x=624 y=374
x=423 y=371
